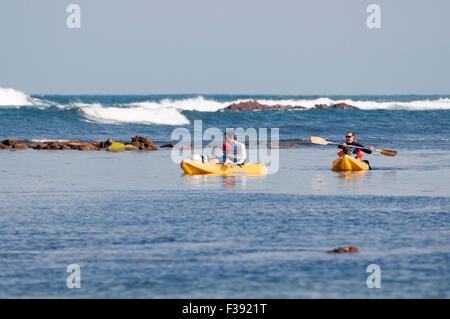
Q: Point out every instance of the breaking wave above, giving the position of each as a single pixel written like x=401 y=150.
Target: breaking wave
x=139 y=114
x=11 y=97
x=169 y=111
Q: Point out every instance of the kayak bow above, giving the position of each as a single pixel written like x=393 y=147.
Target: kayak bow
x=348 y=163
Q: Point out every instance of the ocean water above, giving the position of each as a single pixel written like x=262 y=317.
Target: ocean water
x=139 y=228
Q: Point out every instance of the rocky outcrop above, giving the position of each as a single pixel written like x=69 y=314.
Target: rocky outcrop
x=254 y=105
x=346 y=249
x=137 y=143
x=103 y=144
x=143 y=143
x=13 y=144
x=338 y=106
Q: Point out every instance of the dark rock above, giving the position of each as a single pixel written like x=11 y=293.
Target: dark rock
x=170 y=145
x=103 y=144
x=98 y=144
x=254 y=105
x=143 y=143
x=40 y=146
x=81 y=146
x=88 y=147
x=9 y=143
x=108 y=143
x=20 y=146
x=346 y=249
x=54 y=146
x=13 y=144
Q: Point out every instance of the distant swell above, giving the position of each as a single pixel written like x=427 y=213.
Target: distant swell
x=158 y=111
x=172 y=109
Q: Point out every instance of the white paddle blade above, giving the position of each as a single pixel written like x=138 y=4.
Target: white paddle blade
x=319 y=140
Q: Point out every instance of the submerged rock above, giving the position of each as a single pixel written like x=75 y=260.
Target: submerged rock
x=288 y=145
x=346 y=249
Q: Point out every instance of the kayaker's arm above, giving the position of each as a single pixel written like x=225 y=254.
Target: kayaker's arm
x=240 y=153
x=360 y=146
x=365 y=150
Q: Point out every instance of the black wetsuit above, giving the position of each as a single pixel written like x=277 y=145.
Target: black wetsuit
x=355 y=150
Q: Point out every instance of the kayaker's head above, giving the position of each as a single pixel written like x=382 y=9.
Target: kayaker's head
x=230 y=137
x=350 y=137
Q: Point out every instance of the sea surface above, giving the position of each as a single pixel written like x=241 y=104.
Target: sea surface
x=138 y=228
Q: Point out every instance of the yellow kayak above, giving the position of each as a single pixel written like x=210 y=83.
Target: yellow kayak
x=198 y=167
x=347 y=163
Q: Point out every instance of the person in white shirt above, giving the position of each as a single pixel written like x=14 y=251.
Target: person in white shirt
x=239 y=154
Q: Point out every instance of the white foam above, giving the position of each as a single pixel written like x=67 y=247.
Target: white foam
x=199 y=104
x=15 y=98
x=46 y=140
x=419 y=105
x=137 y=114
x=439 y=104
x=11 y=97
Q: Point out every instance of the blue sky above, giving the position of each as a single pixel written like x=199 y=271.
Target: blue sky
x=230 y=47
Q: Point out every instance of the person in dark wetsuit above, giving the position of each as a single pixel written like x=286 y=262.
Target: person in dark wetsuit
x=350 y=140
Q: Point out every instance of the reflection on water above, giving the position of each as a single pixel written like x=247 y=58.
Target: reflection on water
x=352 y=175
x=318 y=182
x=215 y=181
x=351 y=179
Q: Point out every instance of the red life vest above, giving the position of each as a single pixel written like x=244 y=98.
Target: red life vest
x=359 y=155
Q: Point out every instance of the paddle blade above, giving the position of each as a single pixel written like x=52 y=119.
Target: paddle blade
x=390 y=153
x=319 y=140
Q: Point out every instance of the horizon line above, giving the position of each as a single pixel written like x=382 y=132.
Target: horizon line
x=247 y=94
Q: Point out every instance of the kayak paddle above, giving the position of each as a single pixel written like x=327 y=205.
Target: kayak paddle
x=322 y=141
